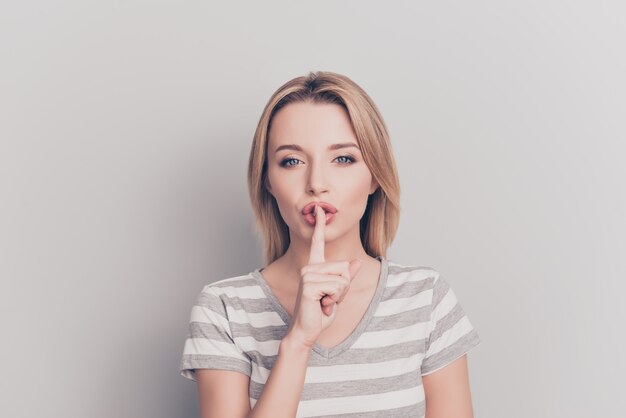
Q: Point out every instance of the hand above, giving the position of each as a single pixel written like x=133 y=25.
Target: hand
x=322 y=286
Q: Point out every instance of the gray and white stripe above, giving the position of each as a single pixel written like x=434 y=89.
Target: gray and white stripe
x=413 y=327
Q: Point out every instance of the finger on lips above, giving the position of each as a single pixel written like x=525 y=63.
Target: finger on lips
x=316 y=255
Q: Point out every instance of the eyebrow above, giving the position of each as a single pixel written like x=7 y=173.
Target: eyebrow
x=332 y=147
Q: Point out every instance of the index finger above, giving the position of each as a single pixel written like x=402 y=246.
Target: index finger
x=317 y=240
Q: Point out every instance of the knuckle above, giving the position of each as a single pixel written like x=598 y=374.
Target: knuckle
x=343 y=281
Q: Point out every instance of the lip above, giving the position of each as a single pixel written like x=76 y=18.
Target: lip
x=328 y=208
x=310 y=219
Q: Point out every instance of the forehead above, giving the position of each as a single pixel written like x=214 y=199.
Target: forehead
x=311 y=124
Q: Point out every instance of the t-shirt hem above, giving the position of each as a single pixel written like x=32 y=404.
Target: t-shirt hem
x=472 y=342
x=190 y=363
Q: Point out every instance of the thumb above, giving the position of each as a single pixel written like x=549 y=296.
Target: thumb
x=329 y=311
x=355 y=266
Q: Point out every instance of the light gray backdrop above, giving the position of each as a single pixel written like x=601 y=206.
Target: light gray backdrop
x=125 y=129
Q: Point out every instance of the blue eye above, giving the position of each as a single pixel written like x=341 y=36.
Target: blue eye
x=351 y=159
x=284 y=163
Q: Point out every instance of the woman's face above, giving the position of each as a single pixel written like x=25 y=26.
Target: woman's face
x=306 y=165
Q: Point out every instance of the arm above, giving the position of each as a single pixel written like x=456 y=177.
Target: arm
x=447 y=391
x=282 y=391
x=224 y=393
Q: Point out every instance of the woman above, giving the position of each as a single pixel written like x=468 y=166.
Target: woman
x=329 y=326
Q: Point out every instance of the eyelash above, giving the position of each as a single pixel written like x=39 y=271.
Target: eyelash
x=284 y=162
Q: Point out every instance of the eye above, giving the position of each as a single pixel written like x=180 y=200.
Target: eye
x=286 y=161
x=349 y=157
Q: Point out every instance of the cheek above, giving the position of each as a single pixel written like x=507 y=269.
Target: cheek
x=282 y=187
x=355 y=191
x=357 y=184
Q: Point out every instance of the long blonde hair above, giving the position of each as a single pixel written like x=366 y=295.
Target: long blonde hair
x=382 y=214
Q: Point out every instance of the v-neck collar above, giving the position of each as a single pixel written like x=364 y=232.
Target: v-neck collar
x=356 y=333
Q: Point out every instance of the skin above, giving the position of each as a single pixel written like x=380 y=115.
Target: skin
x=315 y=173
x=341 y=178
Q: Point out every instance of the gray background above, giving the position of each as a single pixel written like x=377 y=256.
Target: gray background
x=125 y=130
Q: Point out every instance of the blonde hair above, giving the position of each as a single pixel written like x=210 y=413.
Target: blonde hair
x=382 y=214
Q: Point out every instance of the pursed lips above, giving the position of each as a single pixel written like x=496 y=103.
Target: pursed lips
x=329 y=211
x=325 y=205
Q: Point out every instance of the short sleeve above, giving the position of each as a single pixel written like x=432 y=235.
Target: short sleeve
x=210 y=343
x=451 y=333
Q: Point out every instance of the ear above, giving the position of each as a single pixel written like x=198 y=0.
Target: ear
x=268 y=186
x=373 y=186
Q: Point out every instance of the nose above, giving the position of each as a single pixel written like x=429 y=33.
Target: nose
x=316 y=179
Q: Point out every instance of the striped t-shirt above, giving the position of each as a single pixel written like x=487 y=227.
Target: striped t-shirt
x=413 y=326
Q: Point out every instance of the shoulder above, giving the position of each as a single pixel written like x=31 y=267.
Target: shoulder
x=229 y=291
x=233 y=282
x=399 y=273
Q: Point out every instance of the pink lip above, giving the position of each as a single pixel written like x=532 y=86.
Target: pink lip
x=326 y=206
x=311 y=219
